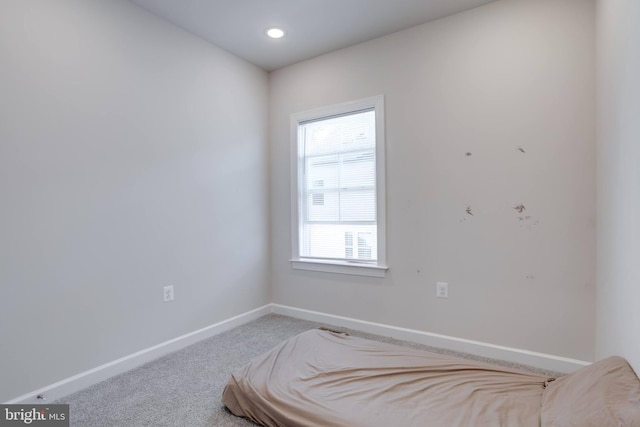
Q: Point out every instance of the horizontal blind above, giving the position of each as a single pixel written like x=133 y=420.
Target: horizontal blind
x=339 y=187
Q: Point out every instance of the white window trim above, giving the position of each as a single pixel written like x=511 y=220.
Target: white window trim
x=341 y=267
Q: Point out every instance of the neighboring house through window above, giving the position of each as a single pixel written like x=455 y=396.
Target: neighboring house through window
x=338 y=195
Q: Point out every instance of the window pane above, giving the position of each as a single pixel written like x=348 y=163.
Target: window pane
x=337 y=187
x=329 y=241
x=358 y=169
x=329 y=210
x=322 y=172
x=339 y=134
x=358 y=205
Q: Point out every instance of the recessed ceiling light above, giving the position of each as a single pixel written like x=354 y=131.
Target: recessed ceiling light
x=275 y=33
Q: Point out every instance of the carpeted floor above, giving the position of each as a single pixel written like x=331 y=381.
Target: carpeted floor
x=185 y=388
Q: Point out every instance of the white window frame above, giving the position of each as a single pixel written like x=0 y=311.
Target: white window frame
x=379 y=268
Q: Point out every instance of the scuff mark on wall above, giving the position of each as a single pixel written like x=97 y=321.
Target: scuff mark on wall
x=468 y=212
x=468 y=154
x=526 y=221
x=520 y=149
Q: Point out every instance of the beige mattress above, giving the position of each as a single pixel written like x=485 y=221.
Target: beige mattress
x=322 y=378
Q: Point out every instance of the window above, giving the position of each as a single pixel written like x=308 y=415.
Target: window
x=338 y=197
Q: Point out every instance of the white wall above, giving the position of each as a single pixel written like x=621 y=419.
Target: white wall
x=618 y=313
x=509 y=75
x=132 y=156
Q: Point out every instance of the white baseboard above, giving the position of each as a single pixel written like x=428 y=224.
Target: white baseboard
x=85 y=379
x=525 y=357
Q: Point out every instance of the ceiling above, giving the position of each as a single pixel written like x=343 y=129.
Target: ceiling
x=313 y=27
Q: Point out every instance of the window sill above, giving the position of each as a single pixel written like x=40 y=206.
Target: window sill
x=353 y=269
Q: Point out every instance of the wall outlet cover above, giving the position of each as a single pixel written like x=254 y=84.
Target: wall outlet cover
x=442 y=290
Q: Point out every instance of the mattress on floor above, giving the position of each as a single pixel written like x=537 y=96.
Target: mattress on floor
x=323 y=378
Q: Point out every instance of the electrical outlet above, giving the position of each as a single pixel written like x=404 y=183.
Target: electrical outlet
x=442 y=290
x=168 y=293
